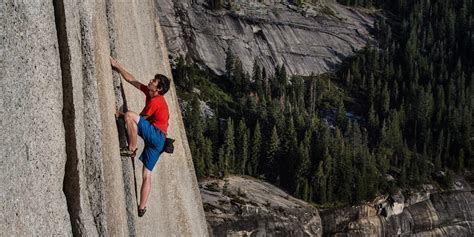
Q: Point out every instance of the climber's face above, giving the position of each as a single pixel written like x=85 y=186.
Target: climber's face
x=153 y=85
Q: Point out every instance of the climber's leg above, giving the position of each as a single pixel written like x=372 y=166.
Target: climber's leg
x=146 y=187
x=154 y=141
x=131 y=120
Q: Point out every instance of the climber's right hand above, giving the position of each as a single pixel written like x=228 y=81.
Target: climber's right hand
x=114 y=62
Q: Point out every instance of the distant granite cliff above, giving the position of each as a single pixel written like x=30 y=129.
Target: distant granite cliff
x=309 y=39
x=244 y=206
x=425 y=212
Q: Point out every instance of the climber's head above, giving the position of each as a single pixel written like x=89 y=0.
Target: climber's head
x=160 y=84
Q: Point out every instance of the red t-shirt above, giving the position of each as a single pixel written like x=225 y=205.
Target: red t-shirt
x=157 y=110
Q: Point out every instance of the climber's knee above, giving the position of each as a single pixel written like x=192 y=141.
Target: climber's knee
x=146 y=174
x=131 y=116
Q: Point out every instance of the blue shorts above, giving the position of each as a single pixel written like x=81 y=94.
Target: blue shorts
x=154 y=143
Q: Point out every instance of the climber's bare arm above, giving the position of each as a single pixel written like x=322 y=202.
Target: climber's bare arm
x=125 y=74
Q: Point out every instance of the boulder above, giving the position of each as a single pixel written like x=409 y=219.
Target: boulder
x=245 y=206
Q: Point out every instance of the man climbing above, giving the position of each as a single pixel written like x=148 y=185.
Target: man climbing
x=151 y=125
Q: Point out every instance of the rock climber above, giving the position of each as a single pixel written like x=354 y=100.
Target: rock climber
x=151 y=125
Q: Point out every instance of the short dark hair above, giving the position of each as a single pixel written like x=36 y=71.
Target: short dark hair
x=163 y=83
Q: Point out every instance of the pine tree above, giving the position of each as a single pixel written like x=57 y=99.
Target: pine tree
x=328 y=170
x=342 y=169
x=258 y=81
x=207 y=155
x=342 y=119
x=242 y=147
x=229 y=146
x=281 y=77
x=385 y=100
x=302 y=170
x=273 y=155
x=195 y=128
x=240 y=79
x=320 y=184
x=289 y=149
x=255 y=151
x=280 y=82
x=373 y=175
x=373 y=122
x=371 y=89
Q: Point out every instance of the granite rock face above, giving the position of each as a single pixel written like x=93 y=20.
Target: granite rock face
x=32 y=150
x=174 y=206
x=61 y=171
x=244 y=206
x=434 y=214
x=308 y=39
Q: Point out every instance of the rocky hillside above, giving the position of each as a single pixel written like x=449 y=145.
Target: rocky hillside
x=61 y=173
x=307 y=39
x=242 y=206
x=425 y=212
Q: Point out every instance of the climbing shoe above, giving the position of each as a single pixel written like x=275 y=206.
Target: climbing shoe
x=141 y=212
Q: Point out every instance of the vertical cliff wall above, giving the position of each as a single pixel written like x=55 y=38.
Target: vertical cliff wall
x=61 y=172
x=175 y=206
x=32 y=150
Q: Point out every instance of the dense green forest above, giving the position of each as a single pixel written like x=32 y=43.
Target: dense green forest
x=395 y=115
